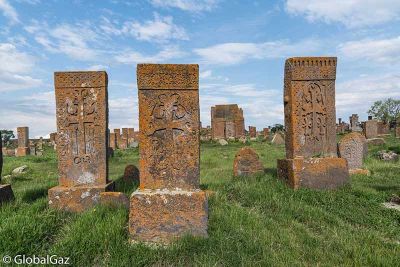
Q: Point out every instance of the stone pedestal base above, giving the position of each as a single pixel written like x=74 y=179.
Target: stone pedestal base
x=316 y=173
x=22 y=151
x=162 y=216
x=6 y=193
x=76 y=198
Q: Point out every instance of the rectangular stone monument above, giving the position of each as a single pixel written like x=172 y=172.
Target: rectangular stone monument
x=266 y=133
x=118 y=136
x=169 y=202
x=354 y=123
x=23 y=142
x=370 y=129
x=227 y=122
x=397 y=131
x=6 y=192
x=113 y=141
x=383 y=128
x=82 y=123
x=124 y=139
x=252 y=132
x=310 y=139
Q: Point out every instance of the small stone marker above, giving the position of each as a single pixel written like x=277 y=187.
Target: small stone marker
x=82 y=123
x=354 y=123
x=252 y=132
x=6 y=192
x=223 y=142
x=131 y=174
x=387 y=155
x=169 y=203
x=247 y=163
x=278 y=138
x=370 y=129
x=376 y=141
x=266 y=133
x=311 y=149
x=353 y=147
x=113 y=141
x=23 y=142
x=383 y=128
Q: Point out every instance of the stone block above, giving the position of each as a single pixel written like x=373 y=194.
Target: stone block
x=6 y=193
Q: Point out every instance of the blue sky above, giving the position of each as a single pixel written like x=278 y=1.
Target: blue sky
x=240 y=46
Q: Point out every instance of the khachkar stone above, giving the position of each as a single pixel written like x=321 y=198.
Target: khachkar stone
x=118 y=136
x=82 y=126
x=354 y=124
x=124 y=139
x=370 y=129
x=227 y=122
x=23 y=142
x=252 y=131
x=266 y=133
x=354 y=148
x=169 y=202
x=6 y=192
x=247 y=163
x=112 y=141
x=310 y=139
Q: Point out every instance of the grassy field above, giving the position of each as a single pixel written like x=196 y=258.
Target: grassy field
x=255 y=221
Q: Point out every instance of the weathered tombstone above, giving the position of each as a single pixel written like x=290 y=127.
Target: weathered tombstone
x=131 y=174
x=266 y=133
x=23 y=142
x=113 y=141
x=131 y=136
x=124 y=139
x=252 y=132
x=371 y=129
x=354 y=148
x=32 y=150
x=247 y=163
x=53 y=137
x=383 y=128
x=6 y=192
x=227 y=121
x=169 y=202
x=310 y=138
x=82 y=123
x=354 y=123
x=397 y=131
x=117 y=136
x=278 y=138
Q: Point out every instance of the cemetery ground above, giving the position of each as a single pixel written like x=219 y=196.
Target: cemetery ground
x=255 y=221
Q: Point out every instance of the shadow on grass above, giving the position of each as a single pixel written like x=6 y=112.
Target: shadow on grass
x=126 y=187
x=271 y=171
x=31 y=195
x=386 y=188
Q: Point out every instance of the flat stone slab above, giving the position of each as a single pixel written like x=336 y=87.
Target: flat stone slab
x=391 y=205
x=6 y=193
x=77 y=198
x=315 y=173
x=161 y=216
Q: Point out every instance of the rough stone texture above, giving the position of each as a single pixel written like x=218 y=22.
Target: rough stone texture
x=53 y=138
x=359 y=171
x=82 y=124
x=266 y=133
x=317 y=173
x=227 y=121
x=131 y=174
x=387 y=155
x=23 y=142
x=370 y=129
x=114 y=199
x=383 y=128
x=169 y=202
x=353 y=147
x=164 y=215
x=310 y=122
x=252 y=132
x=376 y=141
x=117 y=133
x=354 y=123
x=278 y=139
x=397 y=132
x=20 y=170
x=1 y=155
x=247 y=163
x=76 y=198
x=113 y=141
x=222 y=142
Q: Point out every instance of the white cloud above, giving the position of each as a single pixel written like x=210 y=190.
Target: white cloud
x=205 y=74
x=160 y=29
x=187 y=5
x=97 y=67
x=124 y=111
x=9 y=12
x=132 y=57
x=351 y=13
x=234 y=53
x=378 y=50
x=75 y=41
x=359 y=94
x=15 y=70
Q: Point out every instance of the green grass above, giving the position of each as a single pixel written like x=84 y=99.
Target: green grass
x=256 y=221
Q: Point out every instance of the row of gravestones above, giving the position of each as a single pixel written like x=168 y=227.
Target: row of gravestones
x=169 y=202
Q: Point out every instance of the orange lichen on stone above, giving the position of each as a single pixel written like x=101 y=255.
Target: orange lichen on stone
x=353 y=147
x=310 y=125
x=247 y=163
x=23 y=142
x=169 y=202
x=227 y=121
x=82 y=127
x=131 y=174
